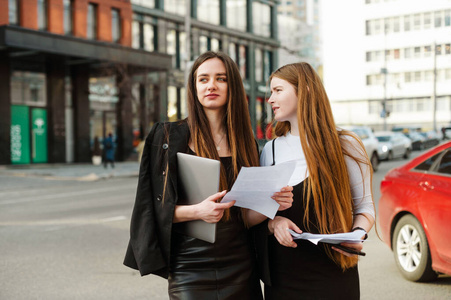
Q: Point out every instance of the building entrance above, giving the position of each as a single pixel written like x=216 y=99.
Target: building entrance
x=28 y=135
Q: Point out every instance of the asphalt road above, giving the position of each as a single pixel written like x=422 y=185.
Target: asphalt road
x=67 y=239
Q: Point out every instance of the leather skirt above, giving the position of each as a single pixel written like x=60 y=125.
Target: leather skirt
x=222 y=270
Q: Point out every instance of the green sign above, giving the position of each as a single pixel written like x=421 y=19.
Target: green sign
x=39 y=135
x=20 y=135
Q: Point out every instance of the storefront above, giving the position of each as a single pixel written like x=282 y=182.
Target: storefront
x=58 y=92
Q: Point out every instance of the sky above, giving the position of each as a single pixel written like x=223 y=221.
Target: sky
x=342 y=33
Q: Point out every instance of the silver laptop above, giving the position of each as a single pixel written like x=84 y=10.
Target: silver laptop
x=199 y=179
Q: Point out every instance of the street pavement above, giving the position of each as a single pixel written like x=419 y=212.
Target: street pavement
x=71 y=172
x=64 y=229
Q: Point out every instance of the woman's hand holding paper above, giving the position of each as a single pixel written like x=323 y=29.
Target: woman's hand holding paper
x=284 y=197
x=279 y=227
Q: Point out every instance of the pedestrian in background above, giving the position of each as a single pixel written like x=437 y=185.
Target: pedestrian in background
x=218 y=127
x=109 y=150
x=332 y=193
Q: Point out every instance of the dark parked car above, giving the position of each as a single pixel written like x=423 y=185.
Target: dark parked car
x=431 y=138
x=415 y=214
x=418 y=141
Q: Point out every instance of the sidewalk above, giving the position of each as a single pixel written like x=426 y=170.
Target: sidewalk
x=72 y=171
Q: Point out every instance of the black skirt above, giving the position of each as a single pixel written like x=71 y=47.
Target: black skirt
x=222 y=270
x=306 y=272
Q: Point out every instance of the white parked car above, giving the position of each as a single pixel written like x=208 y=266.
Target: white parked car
x=393 y=145
x=370 y=142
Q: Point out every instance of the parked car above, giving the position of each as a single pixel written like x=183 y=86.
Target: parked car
x=448 y=132
x=393 y=145
x=370 y=142
x=415 y=214
x=431 y=138
x=418 y=141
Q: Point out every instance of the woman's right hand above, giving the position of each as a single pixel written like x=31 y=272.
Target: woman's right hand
x=210 y=210
x=279 y=227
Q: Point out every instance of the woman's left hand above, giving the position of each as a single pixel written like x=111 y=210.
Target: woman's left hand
x=355 y=246
x=284 y=197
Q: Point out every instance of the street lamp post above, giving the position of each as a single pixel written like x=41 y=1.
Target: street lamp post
x=434 y=87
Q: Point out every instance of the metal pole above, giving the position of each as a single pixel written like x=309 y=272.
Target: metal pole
x=434 y=88
x=187 y=39
x=384 y=71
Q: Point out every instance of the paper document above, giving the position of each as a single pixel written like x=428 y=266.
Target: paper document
x=337 y=238
x=255 y=186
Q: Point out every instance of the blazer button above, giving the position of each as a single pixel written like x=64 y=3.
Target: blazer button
x=165 y=146
x=164 y=173
x=159 y=198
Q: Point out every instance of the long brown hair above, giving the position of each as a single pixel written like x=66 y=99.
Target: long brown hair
x=328 y=183
x=236 y=120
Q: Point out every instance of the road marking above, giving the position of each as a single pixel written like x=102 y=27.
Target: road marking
x=64 y=195
x=61 y=223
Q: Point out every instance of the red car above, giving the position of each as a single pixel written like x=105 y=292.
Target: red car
x=415 y=214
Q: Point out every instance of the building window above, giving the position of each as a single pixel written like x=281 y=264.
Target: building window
x=408 y=53
x=115 y=25
x=242 y=61
x=172 y=103
x=148 y=37
x=28 y=88
x=171 y=46
x=407 y=22
x=447 y=49
x=236 y=14
x=396 y=25
x=92 y=21
x=144 y=3
x=42 y=15
x=427 y=22
x=68 y=13
x=203 y=44
x=447 y=17
x=438 y=19
x=177 y=7
x=258 y=65
x=208 y=11
x=232 y=51
x=182 y=58
x=13 y=9
x=176 y=46
x=136 y=34
x=261 y=14
x=267 y=65
x=417 y=21
x=215 y=45
x=144 y=33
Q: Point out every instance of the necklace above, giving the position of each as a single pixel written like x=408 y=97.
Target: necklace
x=219 y=143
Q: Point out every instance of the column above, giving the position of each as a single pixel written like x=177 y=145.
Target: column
x=56 y=110
x=5 y=109
x=124 y=115
x=80 y=98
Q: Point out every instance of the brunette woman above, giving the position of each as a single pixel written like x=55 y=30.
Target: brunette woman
x=218 y=127
x=332 y=192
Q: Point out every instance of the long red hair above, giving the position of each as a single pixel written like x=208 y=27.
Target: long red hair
x=328 y=185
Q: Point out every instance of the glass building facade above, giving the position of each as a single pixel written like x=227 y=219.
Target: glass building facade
x=245 y=30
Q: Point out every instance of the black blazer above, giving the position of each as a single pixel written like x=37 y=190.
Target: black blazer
x=151 y=224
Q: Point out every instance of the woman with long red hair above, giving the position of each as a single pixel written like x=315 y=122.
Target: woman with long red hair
x=332 y=192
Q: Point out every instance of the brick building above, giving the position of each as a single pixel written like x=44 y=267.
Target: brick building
x=66 y=74
x=72 y=70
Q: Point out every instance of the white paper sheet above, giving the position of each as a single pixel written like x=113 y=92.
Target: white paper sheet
x=337 y=238
x=255 y=186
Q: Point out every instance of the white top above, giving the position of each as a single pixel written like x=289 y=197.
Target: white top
x=288 y=148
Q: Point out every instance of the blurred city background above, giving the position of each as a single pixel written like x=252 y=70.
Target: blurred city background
x=74 y=71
